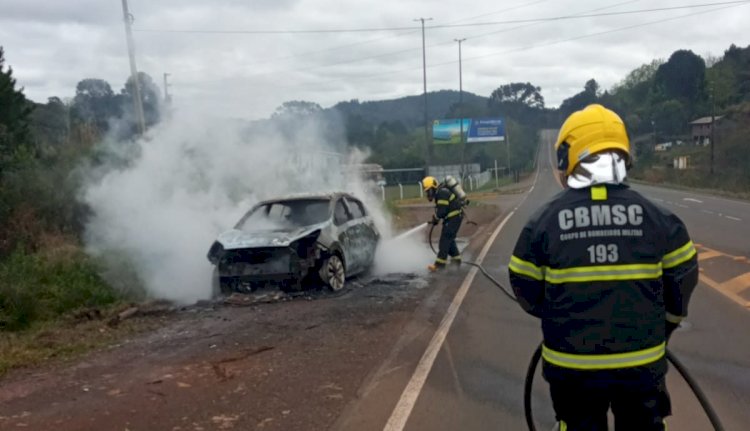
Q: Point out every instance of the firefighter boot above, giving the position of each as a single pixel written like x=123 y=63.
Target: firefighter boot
x=437 y=266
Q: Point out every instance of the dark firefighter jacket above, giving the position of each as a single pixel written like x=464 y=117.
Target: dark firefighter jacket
x=447 y=204
x=605 y=269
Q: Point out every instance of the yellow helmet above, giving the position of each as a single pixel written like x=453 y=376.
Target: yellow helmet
x=429 y=183
x=591 y=130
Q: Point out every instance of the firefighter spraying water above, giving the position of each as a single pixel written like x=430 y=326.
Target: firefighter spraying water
x=450 y=200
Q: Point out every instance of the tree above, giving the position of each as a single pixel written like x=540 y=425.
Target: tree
x=294 y=108
x=730 y=77
x=671 y=117
x=589 y=95
x=50 y=125
x=522 y=93
x=518 y=100
x=683 y=76
x=150 y=97
x=591 y=87
x=643 y=74
x=359 y=132
x=95 y=104
x=14 y=117
x=467 y=110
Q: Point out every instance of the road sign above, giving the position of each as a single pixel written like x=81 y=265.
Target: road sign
x=448 y=131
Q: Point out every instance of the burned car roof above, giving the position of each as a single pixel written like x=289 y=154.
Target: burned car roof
x=237 y=239
x=278 y=236
x=298 y=196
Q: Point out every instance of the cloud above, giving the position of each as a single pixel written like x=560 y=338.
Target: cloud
x=55 y=12
x=53 y=46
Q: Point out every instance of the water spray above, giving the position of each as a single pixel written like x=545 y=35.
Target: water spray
x=411 y=231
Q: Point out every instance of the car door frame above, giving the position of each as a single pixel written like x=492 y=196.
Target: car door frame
x=344 y=233
x=365 y=232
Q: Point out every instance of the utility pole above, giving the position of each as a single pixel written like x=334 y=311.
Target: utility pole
x=713 y=127
x=507 y=146
x=137 y=100
x=461 y=106
x=427 y=140
x=167 y=96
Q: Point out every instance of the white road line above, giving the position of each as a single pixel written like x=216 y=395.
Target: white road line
x=408 y=399
x=733 y=218
x=692 y=200
x=708 y=212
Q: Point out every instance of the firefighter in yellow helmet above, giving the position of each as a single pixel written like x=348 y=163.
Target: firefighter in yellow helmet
x=449 y=202
x=610 y=275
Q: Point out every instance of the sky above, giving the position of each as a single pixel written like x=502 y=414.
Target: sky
x=242 y=59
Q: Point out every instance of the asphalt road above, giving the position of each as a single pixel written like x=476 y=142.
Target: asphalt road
x=476 y=379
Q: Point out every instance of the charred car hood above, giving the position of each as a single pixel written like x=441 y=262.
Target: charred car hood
x=237 y=239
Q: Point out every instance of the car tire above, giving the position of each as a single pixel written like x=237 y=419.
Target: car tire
x=333 y=273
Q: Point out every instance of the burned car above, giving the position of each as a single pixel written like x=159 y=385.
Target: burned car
x=294 y=242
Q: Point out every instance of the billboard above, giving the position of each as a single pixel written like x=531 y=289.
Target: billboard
x=475 y=130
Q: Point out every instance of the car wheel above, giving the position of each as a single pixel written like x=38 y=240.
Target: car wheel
x=333 y=273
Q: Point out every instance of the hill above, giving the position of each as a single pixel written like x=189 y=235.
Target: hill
x=408 y=110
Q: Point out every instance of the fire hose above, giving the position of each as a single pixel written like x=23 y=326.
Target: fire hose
x=536 y=357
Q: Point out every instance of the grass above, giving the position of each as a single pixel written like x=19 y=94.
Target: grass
x=40 y=287
x=66 y=339
x=656 y=169
x=53 y=304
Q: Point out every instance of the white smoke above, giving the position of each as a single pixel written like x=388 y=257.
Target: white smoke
x=403 y=254
x=193 y=177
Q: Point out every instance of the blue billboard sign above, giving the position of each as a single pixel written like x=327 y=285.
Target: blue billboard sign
x=475 y=130
x=486 y=130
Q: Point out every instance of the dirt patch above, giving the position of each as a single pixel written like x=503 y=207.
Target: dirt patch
x=290 y=365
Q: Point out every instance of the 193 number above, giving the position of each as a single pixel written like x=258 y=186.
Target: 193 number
x=602 y=253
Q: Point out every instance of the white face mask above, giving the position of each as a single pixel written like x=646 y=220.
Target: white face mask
x=607 y=167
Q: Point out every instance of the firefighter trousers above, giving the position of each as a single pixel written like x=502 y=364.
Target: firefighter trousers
x=447 y=246
x=582 y=405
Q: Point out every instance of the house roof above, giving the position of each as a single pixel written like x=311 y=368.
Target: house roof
x=705 y=120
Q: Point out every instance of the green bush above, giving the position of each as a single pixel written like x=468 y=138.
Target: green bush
x=38 y=288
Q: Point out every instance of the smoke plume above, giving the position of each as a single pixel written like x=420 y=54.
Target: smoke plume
x=160 y=206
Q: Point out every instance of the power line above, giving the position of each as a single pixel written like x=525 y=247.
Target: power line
x=387 y=54
x=521 y=6
x=366 y=42
x=601 y=33
x=412 y=28
x=403 y=51
x=540 y=45
x=593 y=15
x=505 y=30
